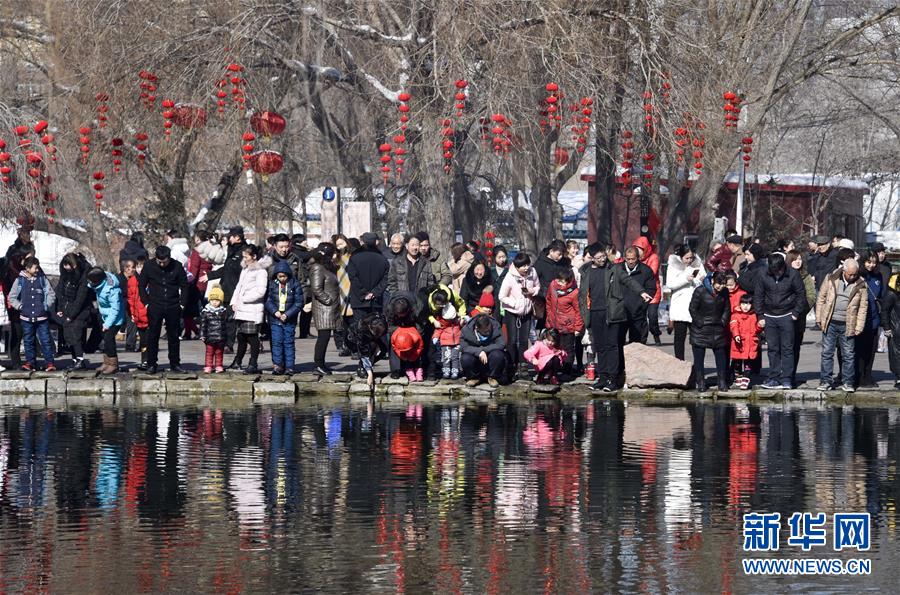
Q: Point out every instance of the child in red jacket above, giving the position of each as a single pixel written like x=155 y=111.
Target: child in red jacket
x=744 y=341
x=563 y=314
x=138 y=312
x=447 y=338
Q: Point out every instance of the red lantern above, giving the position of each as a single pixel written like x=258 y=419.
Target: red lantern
x=551 y=87
x=268 y=124
x=248 y=138
x=560 y=157
x=404 y=96
x=461 y=84
x=266 y=163
x=85 y=143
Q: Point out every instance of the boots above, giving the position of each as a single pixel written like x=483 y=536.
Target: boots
x=110 y=365
x=723 y=383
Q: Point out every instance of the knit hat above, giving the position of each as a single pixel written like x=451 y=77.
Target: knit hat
x=448 y=312
x=486 y=300
x=407 y=343
x=216 y=293
x=846 y=243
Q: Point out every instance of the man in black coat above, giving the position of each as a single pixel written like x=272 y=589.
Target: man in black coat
x=368 y=272
x=549 y=264
x=635 y=302
x=300 y=249
x=825 y=261
x=482 y=351
x=230 y=274
x=411 y=273
x=884 y=266
x=164 y=290
x=779 y=300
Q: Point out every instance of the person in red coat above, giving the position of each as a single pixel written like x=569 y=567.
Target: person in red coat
x=650 y=258
x=728 y=256
x=138 y=312
x=744 y=340
x=563 y=313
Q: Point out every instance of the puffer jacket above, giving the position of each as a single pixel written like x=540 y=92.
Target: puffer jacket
x=616 y=283
x=449 y=333
x=547 y=270
x=563 y=313
x=682 y=284
x=743 y=325
x=454 y=300
x=109 y=301
x=212 y=324
x=470 y=343
x=230 y=271
x=326 y=299
x=651 y=259
x=459 y=268
x=720 y=261
x=249 y=295
x=516 y=292
x=856 y=309
x=136 y=308
x=200 y=261
x=180 y=249
x=164 y=287
x=710 y=315
x=294 y=296
x=73 y=297
x=32 y=297
x=875 y=283
x=439 y=267
x=540 y=354
x=890 y=319
x=777 y=296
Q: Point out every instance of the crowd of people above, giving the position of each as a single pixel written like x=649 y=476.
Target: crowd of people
x=483 y=317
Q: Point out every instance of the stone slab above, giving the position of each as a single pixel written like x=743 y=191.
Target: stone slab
x=649 y=367
x=56 y=386
x=101 y=387
x=274 y=392
x=15 y=375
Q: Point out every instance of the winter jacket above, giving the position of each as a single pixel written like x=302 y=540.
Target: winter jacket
x=326 y=299
x=517 y=292
x=777 y=296
x=682 y=283
x=133 y=251
x=856 y=309
x=439 y=267
x=292 y=261
x=449 y=332
x=721 y=260
x=459 y=268
x=540 y=354
x=743 y=325
x=360 y=340
x=471 y=289
x=454 y=300
x=294 y=296
x=136 y=308
x=471 y=344
x=398 y=275
x=890 y=319
x=751 y=274
x=809 y=284
x=368 y=271
x=547 y=270
x=180 y=248
x=230 y=272
x=886 y=271
x=643 y=275
x=109 y=301
x=616 y=282
x=710 y=314
x=734 y=297
x=199 y=262
x=212 y=324
x=248 y=299
x=875 y=286
x=562 y=308
x=651 y=259
x=32 y=297
x=73 y=297
x=499 y=275
x=823 y=265
x=163 y=288
x=304 y=257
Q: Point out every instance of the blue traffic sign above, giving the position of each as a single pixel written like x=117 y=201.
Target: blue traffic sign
x=328 y=194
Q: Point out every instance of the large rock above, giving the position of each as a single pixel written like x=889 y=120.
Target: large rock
x=649 y=367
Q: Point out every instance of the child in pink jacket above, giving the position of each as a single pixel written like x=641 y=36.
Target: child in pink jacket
x=546 y=357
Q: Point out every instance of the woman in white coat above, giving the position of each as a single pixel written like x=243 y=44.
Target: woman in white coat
x=248 y=304
x=684 y=274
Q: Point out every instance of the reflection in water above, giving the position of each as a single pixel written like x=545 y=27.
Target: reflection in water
x=490 y=499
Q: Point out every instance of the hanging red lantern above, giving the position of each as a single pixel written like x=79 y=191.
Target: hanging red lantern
x=148 y=87
x=268 y=124
x=248 y=138
x=167 y=114
x=141 y=146
x=266 y=163
x=85 y=143
x=233 y=75
x=102 y=108
x=560 y=156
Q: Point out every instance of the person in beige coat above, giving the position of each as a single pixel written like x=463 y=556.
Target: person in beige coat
x=459 y=263
x=248 y=305
x=841 y=314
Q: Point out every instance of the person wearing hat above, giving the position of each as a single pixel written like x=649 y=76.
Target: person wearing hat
x=229 y=275
x=368 y=272
x=407 y=346
x=824 y=261
x=728 y=256
x=283 y=304
x=213 y=332
x=163 y=286
x=485 y=305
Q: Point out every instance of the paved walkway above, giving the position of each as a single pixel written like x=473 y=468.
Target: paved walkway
x=192 y=353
